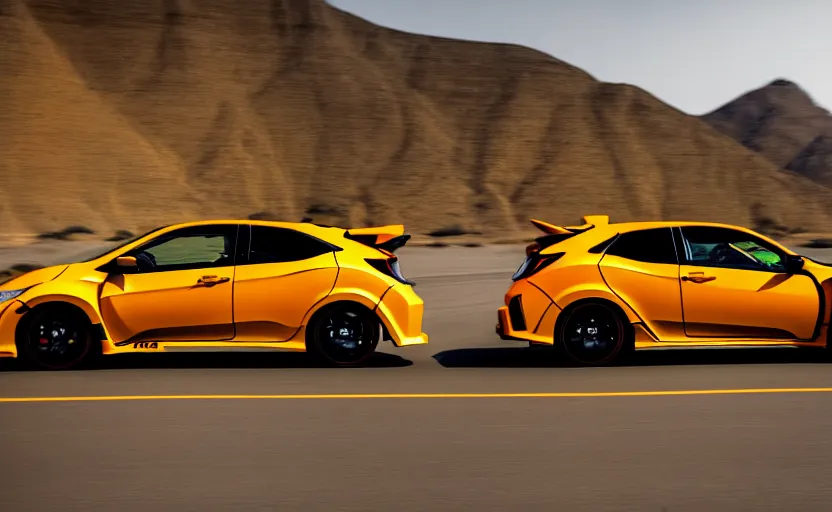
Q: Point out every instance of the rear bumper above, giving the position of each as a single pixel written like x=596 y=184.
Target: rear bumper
x=529 y=315
x=401 y=311
x=503 y=327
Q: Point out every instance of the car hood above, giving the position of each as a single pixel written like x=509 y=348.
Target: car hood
x=33 y=278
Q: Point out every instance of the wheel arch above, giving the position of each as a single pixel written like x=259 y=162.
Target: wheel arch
x=628 y=324
x=368 y=299
x=575 y=296
x=26 y=311
x=357 y=300
x=361 y=298
x=54 y=299
x=318 y=349
x=30 y=309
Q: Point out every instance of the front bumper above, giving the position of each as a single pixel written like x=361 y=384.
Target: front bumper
x=8 y=326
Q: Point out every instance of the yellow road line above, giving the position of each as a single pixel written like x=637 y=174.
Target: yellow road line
x=683 y=392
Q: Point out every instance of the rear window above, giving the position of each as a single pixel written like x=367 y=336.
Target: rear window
x=281 y=245
x=647 y=245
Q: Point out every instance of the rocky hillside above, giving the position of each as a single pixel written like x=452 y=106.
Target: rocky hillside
x=783 y=123
x=124 y=115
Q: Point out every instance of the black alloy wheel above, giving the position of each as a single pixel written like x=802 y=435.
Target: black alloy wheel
x=344 y=334
x=55 y=337
x=591 y=334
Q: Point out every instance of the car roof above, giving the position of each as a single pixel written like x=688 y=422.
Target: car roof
x=308 y=227
x=627 y=226
x=623 y=227
x=244 y=221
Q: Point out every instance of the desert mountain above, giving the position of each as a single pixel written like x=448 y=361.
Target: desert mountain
x=781 y=122
x=129 y=114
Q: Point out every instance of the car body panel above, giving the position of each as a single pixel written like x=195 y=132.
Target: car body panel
x=264 y=305
x=34 y=277
x=168 y=306
x=652 y=289
x=534 y=303
x=271 y=299
x=8 y=324
x=749 y=304
x=566 y=283
x=739 y=308
x=399 y=310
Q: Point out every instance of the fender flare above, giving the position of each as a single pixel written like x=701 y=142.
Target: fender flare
x=358 y=296
x=368 y=300
x=81 y=304
x=572 y=296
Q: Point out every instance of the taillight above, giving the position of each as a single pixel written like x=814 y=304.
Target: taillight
x=390 y=268
x=534 y=263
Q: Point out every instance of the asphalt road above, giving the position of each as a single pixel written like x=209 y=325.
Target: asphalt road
x=768 y=451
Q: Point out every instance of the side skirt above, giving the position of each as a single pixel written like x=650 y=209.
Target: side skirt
x=208 y=346
x=645 y=340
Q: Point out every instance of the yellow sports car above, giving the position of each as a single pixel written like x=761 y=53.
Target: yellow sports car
x=292 y=286
x=599 y=290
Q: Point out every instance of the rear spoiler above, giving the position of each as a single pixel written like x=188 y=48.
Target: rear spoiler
x=590 y=221
x=385 y=238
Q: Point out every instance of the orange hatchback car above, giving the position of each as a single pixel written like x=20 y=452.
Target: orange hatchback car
x=219 y=285
x=599 y=290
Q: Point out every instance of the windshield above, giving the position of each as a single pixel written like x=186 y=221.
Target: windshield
x=123 y=244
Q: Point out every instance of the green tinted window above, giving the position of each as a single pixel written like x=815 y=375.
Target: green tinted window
x=761 y=254
x=730 y=248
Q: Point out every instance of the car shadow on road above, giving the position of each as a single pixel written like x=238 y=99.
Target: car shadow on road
x=218 y=360
x=544 y=357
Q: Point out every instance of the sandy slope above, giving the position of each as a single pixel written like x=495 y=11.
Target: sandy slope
x=124 y=115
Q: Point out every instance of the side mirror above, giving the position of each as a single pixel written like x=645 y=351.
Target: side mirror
x=793 y=264
x=127 y=262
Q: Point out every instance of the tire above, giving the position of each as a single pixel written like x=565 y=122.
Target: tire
x=343 y=334
x=55 y=337
x=580 y=345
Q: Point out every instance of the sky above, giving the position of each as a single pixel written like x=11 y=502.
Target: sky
x=695 y=55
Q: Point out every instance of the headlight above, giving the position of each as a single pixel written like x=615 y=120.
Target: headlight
x=6 y=295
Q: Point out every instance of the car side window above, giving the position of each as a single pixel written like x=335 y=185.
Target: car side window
x=723 y=247
x=653 y=245
x=188 y=248
x=282 y=245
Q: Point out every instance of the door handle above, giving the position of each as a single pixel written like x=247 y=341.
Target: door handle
x=698 y=277
x=212 y=280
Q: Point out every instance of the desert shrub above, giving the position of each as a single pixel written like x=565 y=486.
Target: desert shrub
x=121 y=235
x=67 y=232
x=453 y=230
x=263 y=216
x=321 y=209
x=819 y=243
